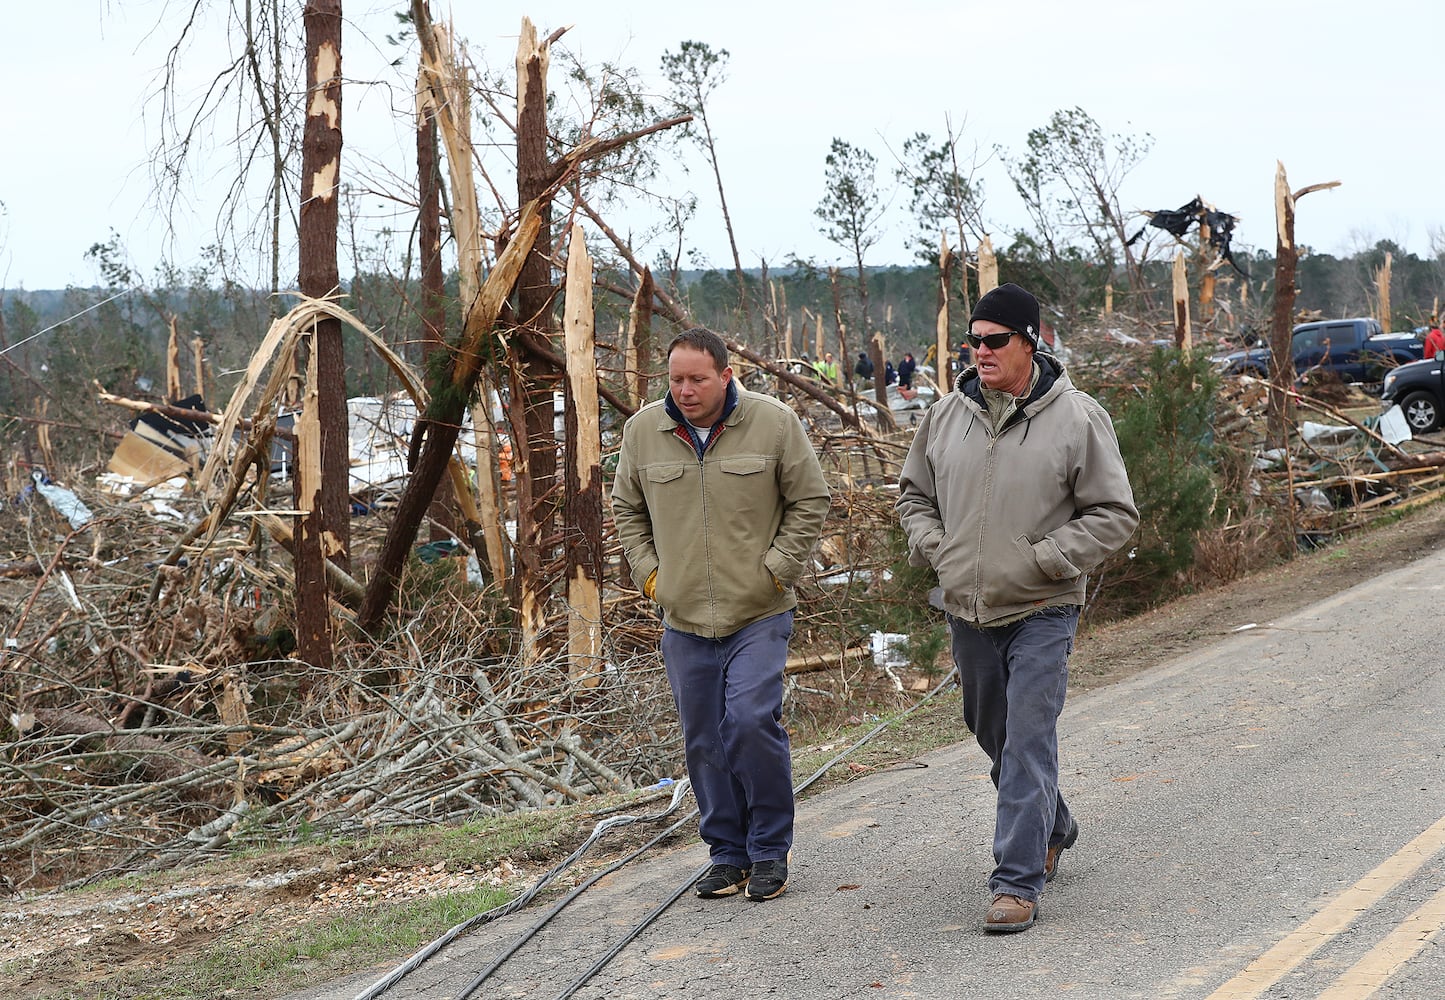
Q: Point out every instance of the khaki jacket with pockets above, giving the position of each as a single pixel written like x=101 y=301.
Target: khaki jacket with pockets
x=719 y=530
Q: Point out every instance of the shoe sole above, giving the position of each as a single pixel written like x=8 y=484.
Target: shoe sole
x=771 y=895
x=1009 y=928
x=729 y=889
x=720 y=893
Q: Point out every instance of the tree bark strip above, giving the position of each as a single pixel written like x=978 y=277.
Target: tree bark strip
x=313 y=617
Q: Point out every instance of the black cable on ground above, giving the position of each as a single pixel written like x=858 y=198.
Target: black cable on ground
x=630 y=936
x=385 y=983
x=531 y=931
x=411 y=964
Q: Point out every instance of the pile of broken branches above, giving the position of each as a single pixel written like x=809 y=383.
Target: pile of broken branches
x=145 y=734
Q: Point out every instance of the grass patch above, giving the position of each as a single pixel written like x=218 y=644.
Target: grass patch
x=308 y=953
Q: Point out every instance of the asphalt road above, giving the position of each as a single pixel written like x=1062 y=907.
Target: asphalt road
x=1265 y=819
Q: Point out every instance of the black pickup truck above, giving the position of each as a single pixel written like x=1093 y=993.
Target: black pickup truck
x=1419 y=390
x=1356 y=350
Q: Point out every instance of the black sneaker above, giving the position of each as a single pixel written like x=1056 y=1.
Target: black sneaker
x=768 y=880
x=721 y=880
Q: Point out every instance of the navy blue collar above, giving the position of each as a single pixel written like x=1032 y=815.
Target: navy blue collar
x=730 y=403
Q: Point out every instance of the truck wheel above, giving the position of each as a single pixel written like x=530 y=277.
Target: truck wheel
x=1421 y=411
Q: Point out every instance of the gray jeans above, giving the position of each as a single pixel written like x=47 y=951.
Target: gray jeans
x=1013 y=679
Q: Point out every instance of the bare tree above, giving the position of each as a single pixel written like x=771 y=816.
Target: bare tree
x=851 y=209
x=695 y=71
x=1069 y=180
x=942 y=192
x=254 y=82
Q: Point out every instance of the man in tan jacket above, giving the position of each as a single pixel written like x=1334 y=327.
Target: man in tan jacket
x=1013 y=490
x=719 y=500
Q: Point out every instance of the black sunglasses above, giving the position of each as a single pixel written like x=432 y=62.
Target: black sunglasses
x=993 y=341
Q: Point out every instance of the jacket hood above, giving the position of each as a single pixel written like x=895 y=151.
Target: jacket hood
x=1051 y=370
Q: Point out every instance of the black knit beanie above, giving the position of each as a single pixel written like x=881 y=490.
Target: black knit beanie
x=1010 y=306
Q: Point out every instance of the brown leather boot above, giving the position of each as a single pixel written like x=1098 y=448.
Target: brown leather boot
x=1051 y=860
x=1008 y=914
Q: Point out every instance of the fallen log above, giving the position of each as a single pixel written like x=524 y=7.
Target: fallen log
x=1425 y=460
x=806 y=663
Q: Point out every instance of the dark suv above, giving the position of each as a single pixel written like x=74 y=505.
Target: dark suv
x=1419 y=389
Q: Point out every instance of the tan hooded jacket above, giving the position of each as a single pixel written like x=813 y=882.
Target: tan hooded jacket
x=1013 y=518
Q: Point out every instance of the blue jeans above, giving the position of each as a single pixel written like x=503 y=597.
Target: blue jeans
x=1013 y=679
x=729 y=696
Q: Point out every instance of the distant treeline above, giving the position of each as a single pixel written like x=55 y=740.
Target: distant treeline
x=118 y=335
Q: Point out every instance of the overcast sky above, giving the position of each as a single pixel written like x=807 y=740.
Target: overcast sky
x=1343 y=91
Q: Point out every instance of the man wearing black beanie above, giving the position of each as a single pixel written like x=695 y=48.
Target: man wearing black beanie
x=1013 y=490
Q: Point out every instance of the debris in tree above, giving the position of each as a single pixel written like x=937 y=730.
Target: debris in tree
x=63 y=501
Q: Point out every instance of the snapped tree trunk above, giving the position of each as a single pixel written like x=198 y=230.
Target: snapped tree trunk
x=1281 y=353
x=433 y=295
x=582 y=541
x=324 y=529
x=1183 y=336
x=639 y=340
x=532 y=380
x=880 y=378
x=987 y=267
x=1382 y=291
x=1208 y=261
x=173 y=364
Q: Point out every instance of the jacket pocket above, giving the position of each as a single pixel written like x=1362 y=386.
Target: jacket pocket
x=1020 y=581
x=664 y=473
x=743 y=466
x=1051 y=560
x=749 y=496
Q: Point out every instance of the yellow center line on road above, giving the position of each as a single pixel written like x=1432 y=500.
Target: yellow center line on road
x=1275 y=964
x=1367 y=975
